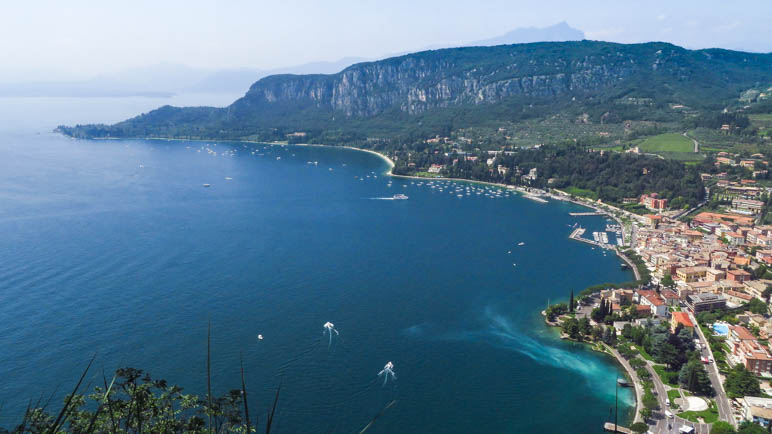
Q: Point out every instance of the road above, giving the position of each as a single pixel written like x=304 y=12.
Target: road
x=700 y=205
x=696 y=144
x=724 y=408
x=663 y=423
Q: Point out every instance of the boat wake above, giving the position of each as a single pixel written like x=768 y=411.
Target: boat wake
x=500 y=332
x=395 y=197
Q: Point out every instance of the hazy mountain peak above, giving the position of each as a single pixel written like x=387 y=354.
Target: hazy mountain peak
x=556 y=33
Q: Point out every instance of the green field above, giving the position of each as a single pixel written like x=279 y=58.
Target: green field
x=575 y=191
x=763 y=122
x=669 y=142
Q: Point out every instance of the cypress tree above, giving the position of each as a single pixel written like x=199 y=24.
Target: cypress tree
x=571 y=303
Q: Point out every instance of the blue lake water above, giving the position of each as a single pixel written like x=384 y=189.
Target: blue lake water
x=116 y=248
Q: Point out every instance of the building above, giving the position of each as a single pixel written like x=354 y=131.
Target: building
x=712 y=217
x=738 y=275
x=653 y=202
x=756 y=287
x=734 y=238
x=748 y=205
x=655 y=303
x=757 y=410
x=691 y=274
x=705 y=302
x=670 y=297
x=747 y=351
x=726 y=160
x=682 y=319
x=618 y=296
x=435 y=168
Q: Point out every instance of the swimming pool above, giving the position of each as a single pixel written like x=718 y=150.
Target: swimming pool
x=720 y=329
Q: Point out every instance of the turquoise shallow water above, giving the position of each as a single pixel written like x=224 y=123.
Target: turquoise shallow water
x=116 y=248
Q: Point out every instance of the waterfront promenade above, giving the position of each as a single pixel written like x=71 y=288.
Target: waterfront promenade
x=633 y=377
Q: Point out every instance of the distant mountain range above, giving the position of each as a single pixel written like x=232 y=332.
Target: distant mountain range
x=434 y=92
x=559 y=32
x=168 y=79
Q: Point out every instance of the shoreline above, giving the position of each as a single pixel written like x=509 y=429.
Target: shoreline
x=603 y=348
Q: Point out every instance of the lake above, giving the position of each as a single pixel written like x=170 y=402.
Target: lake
x=116 y=248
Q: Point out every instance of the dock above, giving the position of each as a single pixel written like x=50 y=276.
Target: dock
x=535 y=198
x=608 y=426
x=575 y=214
x=577 y=235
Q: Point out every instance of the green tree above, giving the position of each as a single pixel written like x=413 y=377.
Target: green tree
x=555 y=310
x=670 y=356
x=597 y=332
x=135 y=402
x=597 y=314
x=667 y=281
x=757 y=306
x=571 y=328
x=748 y=427
x=585 y=328
x=610 y=336
x=571 y=302
x=741 y=382
x=695 y=379
x=722 y=427
x=639 y=427
x=649 y=400
x=767 y=293
x=627 y=331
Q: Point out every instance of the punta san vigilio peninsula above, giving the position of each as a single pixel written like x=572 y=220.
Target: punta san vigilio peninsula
x=386 y=217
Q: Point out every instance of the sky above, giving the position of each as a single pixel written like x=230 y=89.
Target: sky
x=53 y=39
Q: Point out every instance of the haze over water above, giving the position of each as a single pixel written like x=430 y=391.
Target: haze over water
x=116 y=248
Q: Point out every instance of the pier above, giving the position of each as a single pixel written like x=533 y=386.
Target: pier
x=608 y=426
x=576 y=214
x=535 y=198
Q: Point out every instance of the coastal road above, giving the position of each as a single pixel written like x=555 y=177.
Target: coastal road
x=722 y=401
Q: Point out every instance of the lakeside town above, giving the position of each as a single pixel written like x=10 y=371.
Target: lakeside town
x=692 y=330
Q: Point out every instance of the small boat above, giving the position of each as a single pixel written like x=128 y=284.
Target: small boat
x=260 y=337
x=521 y=243
x=228 y=178
x=399 y=197
x=622 y=382
x=207 y=185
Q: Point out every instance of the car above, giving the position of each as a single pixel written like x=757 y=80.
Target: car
x=667 y=402
x=669 y=414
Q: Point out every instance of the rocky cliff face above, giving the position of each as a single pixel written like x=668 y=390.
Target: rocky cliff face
x=416 y=83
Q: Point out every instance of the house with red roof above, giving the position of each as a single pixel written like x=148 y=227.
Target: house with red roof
x=654 y=301
x=681 y=319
